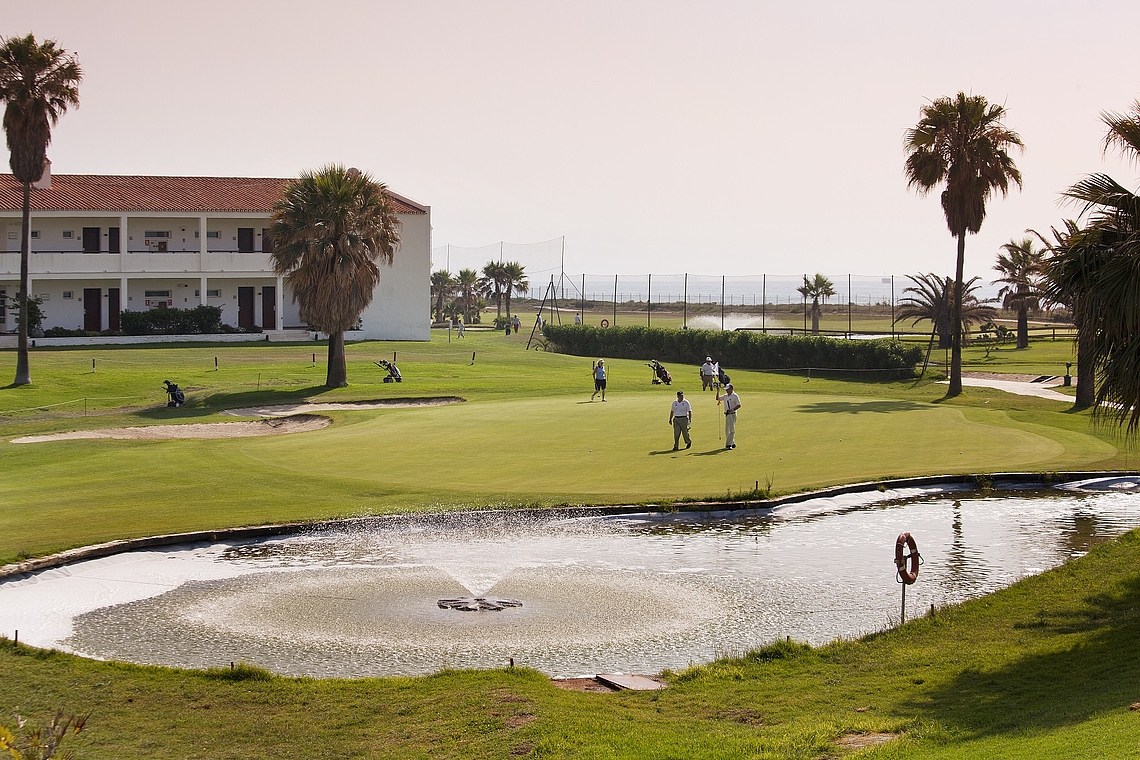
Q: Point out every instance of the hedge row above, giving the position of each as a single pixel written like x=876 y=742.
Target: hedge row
x=739 y=350
x=162 y=320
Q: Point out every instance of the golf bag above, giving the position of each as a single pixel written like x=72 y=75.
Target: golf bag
x=661 y=375
x=175 y=394
x=394 y=375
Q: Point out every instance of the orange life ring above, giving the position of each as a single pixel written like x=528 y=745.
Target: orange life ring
x=605 y=323
x=908 y=575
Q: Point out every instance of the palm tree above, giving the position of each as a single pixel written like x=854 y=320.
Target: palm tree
x=932 y=301
x=329 y=229
x=961 y=142
x=1020 y=267
x=1075 y=254
x=442 y=287
x=493 y=282
x=1098 y=268
x=816 y=288
x=467 y=285
x=514 y=281
x=39 y=82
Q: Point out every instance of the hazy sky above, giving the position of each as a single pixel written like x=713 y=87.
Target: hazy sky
x=665 y=136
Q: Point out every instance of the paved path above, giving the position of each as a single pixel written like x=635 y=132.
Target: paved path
x=1018 y=387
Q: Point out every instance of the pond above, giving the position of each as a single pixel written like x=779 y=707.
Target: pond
x=635 y=593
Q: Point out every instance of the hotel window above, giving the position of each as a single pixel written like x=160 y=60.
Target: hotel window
x=68 y=234
x=156 y=294
x=157 y=234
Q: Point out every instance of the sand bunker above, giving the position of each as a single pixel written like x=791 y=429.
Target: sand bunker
x=299 y=424
x=284 y=410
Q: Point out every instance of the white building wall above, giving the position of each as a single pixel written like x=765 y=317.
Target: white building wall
x=400 y=310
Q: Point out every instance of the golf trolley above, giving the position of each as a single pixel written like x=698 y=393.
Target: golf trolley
x=175 y=394
x=394 y=375
x=661 y=375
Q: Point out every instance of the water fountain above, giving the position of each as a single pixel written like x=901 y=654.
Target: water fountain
x=567 y=593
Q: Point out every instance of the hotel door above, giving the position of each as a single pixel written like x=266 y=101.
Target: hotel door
x=93 y=309
x=245 y=308
x=269 y=307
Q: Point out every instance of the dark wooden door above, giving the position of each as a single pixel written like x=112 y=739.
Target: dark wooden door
x=112 y=308
x=266 y=241
x=269 y=307
x=91 y=240
x=93 y=309
x=113 y=240
x=245 y=239
x=245 y=308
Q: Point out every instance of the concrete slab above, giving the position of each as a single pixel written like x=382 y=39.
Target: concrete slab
x=626 y=682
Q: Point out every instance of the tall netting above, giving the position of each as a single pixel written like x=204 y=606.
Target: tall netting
x=541 y=260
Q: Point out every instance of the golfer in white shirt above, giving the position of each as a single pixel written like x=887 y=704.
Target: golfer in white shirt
x=731 y=403
x=680 y=417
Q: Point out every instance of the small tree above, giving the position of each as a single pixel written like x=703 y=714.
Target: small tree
x=816 y=288
x=442 y=287
x=1020 y=267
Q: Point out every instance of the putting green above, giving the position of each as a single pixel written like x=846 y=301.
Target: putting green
x=622 y=448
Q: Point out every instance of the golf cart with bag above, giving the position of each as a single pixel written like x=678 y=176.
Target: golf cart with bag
x=175 y=394
x=661 y=375
x=394 y=375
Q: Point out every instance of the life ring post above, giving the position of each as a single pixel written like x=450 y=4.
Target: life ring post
x=906 y=566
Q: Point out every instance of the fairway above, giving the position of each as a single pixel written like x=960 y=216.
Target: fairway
x=570 y=448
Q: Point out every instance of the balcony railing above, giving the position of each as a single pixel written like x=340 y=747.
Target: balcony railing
x=78 y=262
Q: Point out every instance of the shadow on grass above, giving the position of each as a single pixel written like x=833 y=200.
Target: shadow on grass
x=859 y=407
x=217 y=402
x=1099 y=672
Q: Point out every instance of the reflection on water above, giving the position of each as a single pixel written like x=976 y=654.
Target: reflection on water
x=636 y=593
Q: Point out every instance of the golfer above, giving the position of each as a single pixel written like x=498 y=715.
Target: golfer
x=681 y=417
x=599 y=379
x=708 y=374
x=731 y=404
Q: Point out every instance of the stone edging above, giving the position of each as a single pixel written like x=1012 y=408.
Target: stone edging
x=109 y=548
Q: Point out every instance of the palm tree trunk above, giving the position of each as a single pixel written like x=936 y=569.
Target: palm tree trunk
x=507 y=295
x=337 y=376
x=956 y=322
x=23 y=373
x=1086 y=374
x=1023 y=327
x=815 y=317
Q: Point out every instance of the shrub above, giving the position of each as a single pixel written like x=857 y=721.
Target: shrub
x=63 y=332
x=743 y=350
x=162 y=320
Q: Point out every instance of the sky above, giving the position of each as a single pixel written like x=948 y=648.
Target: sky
x=667 y=136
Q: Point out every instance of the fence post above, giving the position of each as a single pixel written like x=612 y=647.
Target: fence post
x=722 y=303
x=685 y=308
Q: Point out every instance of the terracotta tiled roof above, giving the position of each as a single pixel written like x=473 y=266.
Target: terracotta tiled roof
x=184 y=195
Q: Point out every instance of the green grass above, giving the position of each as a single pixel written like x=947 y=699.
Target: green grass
x=1043 y=669
x=528 y=435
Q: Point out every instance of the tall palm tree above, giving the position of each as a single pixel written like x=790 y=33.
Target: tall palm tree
x=329 y=229
x=961 y=142
x=816 y=288
x=514 y=281
x=39 y=81
x=1101 y=264
x=932 y=301
x=1020 y=267
x=442 y=287
x=467 y=285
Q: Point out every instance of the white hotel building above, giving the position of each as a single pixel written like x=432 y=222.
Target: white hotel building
x=105 y=244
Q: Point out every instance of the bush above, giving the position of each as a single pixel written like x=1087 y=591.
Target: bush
x=162 y=320
x=63 y=332
x=744 y=350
